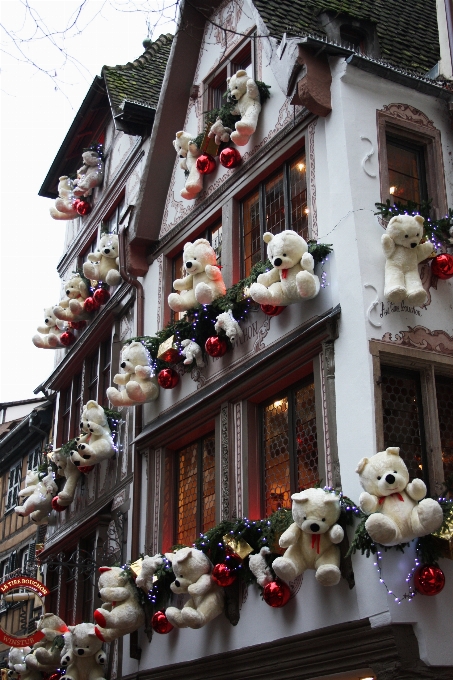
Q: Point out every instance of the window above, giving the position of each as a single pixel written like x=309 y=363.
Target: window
x=353 y=37
x=15 y=476
x=278 y=203
x=290 y=447
x=34 y=459
x=406 y=169
x=112 y=223
x=105 y=371
x=216 y=86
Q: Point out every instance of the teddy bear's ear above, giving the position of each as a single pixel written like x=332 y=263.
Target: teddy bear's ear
x=241 y=73
x=393 y=450
x=299 y=497
x=361 y=465
x=267 y=237
x=186 y=556
x=170 y=557
x=331 y=498
x=103 y=569
x=179 y=134
x=420 y=220
x=92 y=404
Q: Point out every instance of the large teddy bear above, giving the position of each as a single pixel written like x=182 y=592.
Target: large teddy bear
x=121 y=612
x=82 y=654
x=96 y=443
x=64 y=204
x=292 y=278
x=188 y=151
x=67 y=469
x=204 y=281
x=16 y=661
x=90 y=175
x=45 y=655
x=103 y=264
x=311 y=540
x=72 y=307
x=193 y=576
x=48 y=336
x=398 y=510
x=244 y=91
x=403 y=252
x=39 y=494
x=139 y=383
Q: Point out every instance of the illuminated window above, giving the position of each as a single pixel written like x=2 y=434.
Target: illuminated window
x=406 y=170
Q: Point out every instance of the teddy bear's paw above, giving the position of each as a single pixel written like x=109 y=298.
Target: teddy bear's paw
x=367 y=502
x=38 y=341
x=261 y=294
x=204 y=294
x=328 y=575
x=395 y=295
x=89 y=270
x=52 y=340
x=176 y=302
x=417 y=297
x=75 y=307
x=192 y=618
x=174 y=616
x=307 y=285
x=61 y=313
x=430 y=516
x=416 y=489
x=99 y=618
x=244 y=129
x=135 y=392
x=238 y=139
x=381 y=529
x=113 y=278
x=284 y=569
x=114 y=396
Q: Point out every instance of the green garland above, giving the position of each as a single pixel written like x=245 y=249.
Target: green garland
x=437 y=231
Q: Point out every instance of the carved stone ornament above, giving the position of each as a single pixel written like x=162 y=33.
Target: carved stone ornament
x=420 y=337
x=408 y=113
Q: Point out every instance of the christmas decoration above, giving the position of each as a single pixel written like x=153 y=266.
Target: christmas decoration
x=245 y=92
x=39 y=490
x=444 y=536
x=16 y=660
x=160 y=624
x=91 y=305
x=67 y=339
x=57 y=506
x=206 y=164
x=122 y=613
x=215 y=346
x=272 y=310
x=168 y=378
x=192 y=569
x=168 y=351
x=442 y=266
x=85 y=469
x=83 y=208
x=82 y=654
x=146 y=575
x=95 y=444
x=72 y=307
x=45 y=656
x=292 y=278
x=429 y=579
x=136 y=568
x=398 y=510
x=138 y=380
x=237 y=547
x=437 y=231
x=103 y=264
x=403 y=252
x=227 y=323
x=49 y=335
x=90 y=174
x=77 y=325
x=276 y=594
x=66 y=469
x=192 y=351
x=64 y=208
x=204 y=281
x=101 y=296
x=224 y=575
x=219 y=132
x=188 y=151
x=230 y=158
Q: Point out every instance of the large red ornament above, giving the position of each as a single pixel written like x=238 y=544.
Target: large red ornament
x=442 y=266
x=168 y=378
x=67 y=338
x=85 y=468
x=206 y=163
x=276 y=594
x=223 y=575
x=83 y=207
x=101 y=295
x=56 y=505
x=90 y=305
x=215 y=346
x=230 y=157
x=77 y=325
x=429 y=579
x=55 y=676
x=272 y=310
x=160 y=623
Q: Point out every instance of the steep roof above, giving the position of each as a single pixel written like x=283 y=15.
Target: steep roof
x=407 y=31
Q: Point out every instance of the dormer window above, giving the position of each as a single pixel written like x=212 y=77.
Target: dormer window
x=216 y=85
x=353 y=37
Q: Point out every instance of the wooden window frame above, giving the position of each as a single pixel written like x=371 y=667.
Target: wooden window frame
x=13 y=487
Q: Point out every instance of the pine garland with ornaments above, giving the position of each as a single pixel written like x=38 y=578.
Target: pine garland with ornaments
x=438 y=231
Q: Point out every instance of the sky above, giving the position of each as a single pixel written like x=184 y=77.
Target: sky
x=36 y=110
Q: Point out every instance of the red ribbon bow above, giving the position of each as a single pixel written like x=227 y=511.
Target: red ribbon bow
x=284 y=273
x=315 y=540
x=382 y=498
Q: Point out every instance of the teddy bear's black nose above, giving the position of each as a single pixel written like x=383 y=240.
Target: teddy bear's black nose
x=314 y=527
x=76 y=462
x=188 y=265
x=123 y=364
x=390 y=479
x=277 y=262
x=68 y=291
x=413 y=245
x=80 y=651
x=106 y=250
x=177 y=583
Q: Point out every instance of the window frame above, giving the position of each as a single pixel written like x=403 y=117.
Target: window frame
x=14 y=484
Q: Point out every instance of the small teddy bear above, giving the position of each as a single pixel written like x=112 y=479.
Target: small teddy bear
x=258 y=567
x=403 y=252
x=72 y=307
x=97 y=444
x=48 y=336
x=244 y=91
x=45 y=656
x=192 y=351
x=188 y=151
x=219 y=132
x=90 y=175
x=67 y=469
x=103 y=264
x=149 y=566
x=203 y=283
x=16 y=661
x=228 y=323
x=192 y=569
x=139 y=383
x=82 y=654
x=121 y=612
x=39 y=494
x=292 y=277
x=311 y=540
x=398 y=510
x=64 y=204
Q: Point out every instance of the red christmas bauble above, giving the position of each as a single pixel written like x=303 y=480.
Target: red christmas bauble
x=160 y=623
x=215 y=346
x=442 y=266
x=85 y=468
x=276 y=594
x=55 y=676
x=206 y=163
x=272 y=310
x=83 y=208
x=101 y=295
x=75 y=203
x=77 y=325
x=168 y=378
x=429 y=579
x=223 y=575
x=91 y=305
x=67 y=338
x=230 y=157
x=56 y=505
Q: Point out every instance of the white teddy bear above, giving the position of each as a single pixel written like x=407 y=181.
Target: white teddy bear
x=64 y=204
x=82 y=654
x=245 y=91
x=140 y=385
x=189 y=152
x=228 y=323
x=90 y=175
x=39 y=494
x=192 y=351
x=193 y=576
x=149 y=566
x=103 y=264
x=72 y=307
x=67 y=469
x=16 y=661
x=403 y=252
x=48 y=336
x=45 y=656
x=292 y=277
x=121 y=612
x=219 y=132
x=96 y=443
x=311 y=540
x=399 y=511
x=203 y=283
x=258 y=567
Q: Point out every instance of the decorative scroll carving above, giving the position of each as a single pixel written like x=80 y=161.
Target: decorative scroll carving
x=420 y=337
x=262 y=332
x=408 y=113
x=238 y=457
x=311 y=160
x=328 y=349
x=367 y=157
x=160 y=289
x=157 y=490
x=224 y=465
